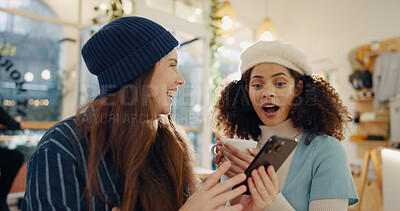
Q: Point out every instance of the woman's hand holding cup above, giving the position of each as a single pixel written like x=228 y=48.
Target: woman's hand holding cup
x=216 y=152
x=239 y=152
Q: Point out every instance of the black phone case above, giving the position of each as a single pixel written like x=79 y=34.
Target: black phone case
x=274 y=153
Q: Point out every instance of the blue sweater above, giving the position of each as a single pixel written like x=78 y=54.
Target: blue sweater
x=319 y=171
x=57 y=174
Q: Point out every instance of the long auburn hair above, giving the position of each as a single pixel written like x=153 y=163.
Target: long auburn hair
x=151 y=152
x=318 y=109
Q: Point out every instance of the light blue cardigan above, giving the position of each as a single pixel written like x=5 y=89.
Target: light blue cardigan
x=319 y=170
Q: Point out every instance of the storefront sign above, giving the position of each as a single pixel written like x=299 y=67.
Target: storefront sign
x=7 y=66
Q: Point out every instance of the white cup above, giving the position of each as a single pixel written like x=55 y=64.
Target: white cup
x=242 y=144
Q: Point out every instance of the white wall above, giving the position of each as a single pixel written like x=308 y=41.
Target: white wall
x=331 y=29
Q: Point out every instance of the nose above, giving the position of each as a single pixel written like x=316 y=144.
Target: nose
x=269 y=92
x=180 y=80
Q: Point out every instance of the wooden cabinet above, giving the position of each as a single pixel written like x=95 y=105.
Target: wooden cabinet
x=365 y=135
x=368 y=130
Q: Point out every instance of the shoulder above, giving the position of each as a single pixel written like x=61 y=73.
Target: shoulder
x=328 y=150
x=61 y=138
x=324 y=143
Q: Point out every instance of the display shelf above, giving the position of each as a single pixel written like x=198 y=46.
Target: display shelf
x=374 y=122
x=362 y=100
x=371 y=142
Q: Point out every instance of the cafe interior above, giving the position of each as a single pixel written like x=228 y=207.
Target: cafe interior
x=43 y=78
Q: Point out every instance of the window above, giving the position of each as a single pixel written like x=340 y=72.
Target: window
x=190 y=10
x=30 y=74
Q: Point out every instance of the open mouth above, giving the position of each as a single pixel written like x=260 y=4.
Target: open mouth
x=171 y=93
x=270 y=108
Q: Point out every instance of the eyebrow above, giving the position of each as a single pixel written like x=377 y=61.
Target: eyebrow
x=173 y=59
x=257 y=76
x=278 y=74
x=274 y=75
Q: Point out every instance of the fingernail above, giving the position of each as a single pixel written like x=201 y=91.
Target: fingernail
x=272 y=167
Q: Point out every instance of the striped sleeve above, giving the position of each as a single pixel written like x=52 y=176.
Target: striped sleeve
x=53 y=180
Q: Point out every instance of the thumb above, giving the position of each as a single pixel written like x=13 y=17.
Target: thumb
x=115 y=209
x=253 y=151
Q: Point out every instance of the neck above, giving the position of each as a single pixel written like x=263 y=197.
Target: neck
x=285 y=129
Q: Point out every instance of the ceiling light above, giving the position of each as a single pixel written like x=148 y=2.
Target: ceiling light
x=227 y=23
x=103 y=6
x=227 y=15
x=266 y=30
x=46 y=75
x=29 y=76
x=267 y=36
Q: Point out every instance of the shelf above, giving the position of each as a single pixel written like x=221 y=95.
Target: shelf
x=362 y=100
x=371 y=142
x=373 y=122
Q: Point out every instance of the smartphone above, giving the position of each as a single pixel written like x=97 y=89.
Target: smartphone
x=274 y=153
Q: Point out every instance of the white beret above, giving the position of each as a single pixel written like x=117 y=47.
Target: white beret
x=278 y=52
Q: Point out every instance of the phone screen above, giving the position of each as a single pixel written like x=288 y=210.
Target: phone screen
x=274 y=153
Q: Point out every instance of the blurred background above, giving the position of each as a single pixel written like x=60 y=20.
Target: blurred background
x=44 y=80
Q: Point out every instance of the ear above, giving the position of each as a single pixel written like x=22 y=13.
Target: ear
x=299 y=88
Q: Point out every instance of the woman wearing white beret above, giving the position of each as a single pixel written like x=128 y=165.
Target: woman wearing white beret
x=282 y=98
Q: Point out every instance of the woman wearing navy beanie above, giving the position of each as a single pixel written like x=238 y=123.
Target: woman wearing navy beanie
x=123 y=149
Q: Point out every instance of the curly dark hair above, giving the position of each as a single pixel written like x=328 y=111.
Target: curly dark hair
x=317 y=109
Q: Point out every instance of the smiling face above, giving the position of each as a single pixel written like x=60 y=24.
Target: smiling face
x=272 y=90
x=165 y=81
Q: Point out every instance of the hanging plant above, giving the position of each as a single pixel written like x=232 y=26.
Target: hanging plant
x=215 y=74
x=112 y=9
x=214 y=44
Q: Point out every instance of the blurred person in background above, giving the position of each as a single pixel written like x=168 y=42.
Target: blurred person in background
x=10 y=161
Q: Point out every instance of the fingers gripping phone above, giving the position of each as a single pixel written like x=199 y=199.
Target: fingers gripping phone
x=274 y=153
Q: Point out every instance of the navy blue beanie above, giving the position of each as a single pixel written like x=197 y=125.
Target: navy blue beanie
x=124 y=49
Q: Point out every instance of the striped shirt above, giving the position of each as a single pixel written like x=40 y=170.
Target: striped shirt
x=57 y=174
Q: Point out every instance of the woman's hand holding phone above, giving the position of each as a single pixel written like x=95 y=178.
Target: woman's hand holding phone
x=263 y=187
x=213 y=194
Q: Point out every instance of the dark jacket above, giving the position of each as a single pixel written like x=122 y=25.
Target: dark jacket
x=8 y=121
